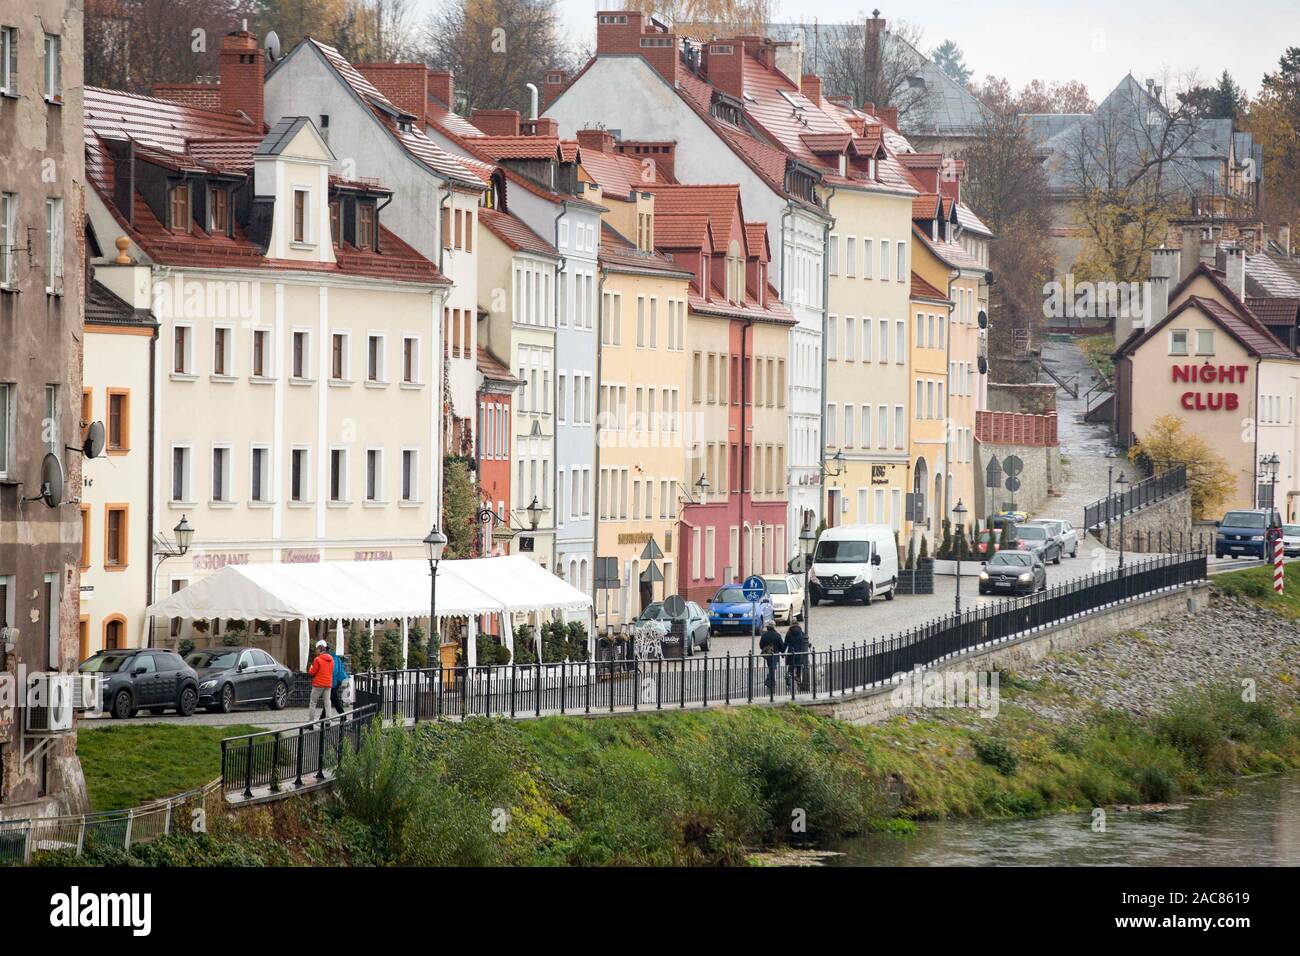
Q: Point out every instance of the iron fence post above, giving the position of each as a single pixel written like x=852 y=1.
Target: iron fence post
x=275 y=764
x=298 y=781
x=248 y=770
x=320 y=752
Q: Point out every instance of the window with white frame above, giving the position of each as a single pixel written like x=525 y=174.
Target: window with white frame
x=182 y=479
x=884 y=260
x=338 y=475
x=374 y=474
x=260 y=360
x=301 y=367
x=1205 y=341
x=222 y=340
x=375 y=358
x=259 y=476
x=339 y=357
x=54 y=246
x=8 y=238
x=902 y=262
x=8 y=403
x=832 y=261
x=300 y=475
x=410 y=360
x=8 y=61
x=52 y=70
x=851 y=256
x=221 y=491
x=900 y=342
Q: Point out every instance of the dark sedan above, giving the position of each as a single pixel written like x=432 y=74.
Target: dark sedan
x=1039 y=541
x=231 y=677
x=1013 y=572
x=150 y=680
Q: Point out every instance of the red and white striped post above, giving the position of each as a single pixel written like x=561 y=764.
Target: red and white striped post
x=1277 y=564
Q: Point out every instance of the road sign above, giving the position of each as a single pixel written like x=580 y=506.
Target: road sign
x=607 y=578
x=674 y=605
x=1012 y=465
x=1013 y=484
x=652 y=574
x=754 y=588
x=651 y=551
x=993 y=473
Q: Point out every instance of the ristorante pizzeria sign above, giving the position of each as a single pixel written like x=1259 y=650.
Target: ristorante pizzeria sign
x=1210 y=400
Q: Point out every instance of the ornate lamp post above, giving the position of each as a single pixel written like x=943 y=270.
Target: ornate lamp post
x=164 y=549
x=807 y=541
x=435 y=543
x=959 y=513
x=1123 y=482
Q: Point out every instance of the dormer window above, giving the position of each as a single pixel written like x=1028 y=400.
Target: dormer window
x=336 y=222
x=365 y=226
x=300 y=215
x=218 y=211
x=735 y=274
x=179 y=204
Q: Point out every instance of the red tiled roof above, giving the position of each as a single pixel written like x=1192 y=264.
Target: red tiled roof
x=618 y=253
x=683 y=231
x=756 y=239
x=950 y=252
x=921 y=289
x=1246 y=329
x=514 y=233
x=617 y=174
x=720 y=203
x=1278 y=310
x=494 y=369
x=519 y=147
x=925 y=207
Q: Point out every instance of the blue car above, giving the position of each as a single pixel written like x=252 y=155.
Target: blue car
x=1246 y=533
x=730 y=611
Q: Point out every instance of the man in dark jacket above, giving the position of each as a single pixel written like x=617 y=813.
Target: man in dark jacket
x=771 y=646
x=796 y=649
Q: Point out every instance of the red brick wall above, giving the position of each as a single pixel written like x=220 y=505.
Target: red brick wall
x=496 y=122
x=205 y=96
x=242 y=75
x=1009 y=428
x=626 y=38
x=405 y=84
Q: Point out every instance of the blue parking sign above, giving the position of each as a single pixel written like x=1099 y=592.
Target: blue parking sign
x=754 y=588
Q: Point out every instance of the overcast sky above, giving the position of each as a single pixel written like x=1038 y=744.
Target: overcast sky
x=1096 y=42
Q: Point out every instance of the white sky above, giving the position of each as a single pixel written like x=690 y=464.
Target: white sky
x=1096 y=42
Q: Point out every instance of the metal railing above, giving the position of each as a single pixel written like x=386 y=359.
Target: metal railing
x=1149 y=490
x=20 y=840
x=628 y=685
x=298 y=757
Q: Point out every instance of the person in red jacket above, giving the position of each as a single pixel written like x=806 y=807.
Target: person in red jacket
x=321 y=672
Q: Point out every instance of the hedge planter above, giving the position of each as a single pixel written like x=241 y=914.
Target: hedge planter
x=919 y=580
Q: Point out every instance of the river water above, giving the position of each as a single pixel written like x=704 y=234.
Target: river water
x=1255 y=824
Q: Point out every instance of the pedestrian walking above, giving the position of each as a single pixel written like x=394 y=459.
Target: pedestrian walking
x=339 y=677
x=771 y=646
x=796 y=649
x=321 y=673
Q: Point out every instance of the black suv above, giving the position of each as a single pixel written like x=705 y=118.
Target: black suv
x=144 y=679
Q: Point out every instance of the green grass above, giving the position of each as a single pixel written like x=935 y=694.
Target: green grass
x=1256 y=584
x=130 y=764
x=1099 y=350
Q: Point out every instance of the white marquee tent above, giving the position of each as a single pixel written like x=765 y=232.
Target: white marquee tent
x=378 y=591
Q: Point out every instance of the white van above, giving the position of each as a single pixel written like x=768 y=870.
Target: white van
x=854 y=562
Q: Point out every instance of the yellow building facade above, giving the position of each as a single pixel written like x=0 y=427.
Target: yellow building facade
x=931 y=312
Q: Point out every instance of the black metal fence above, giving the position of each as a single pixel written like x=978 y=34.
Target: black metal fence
x=274 y=760
x=1143 y=493
x=584 y=687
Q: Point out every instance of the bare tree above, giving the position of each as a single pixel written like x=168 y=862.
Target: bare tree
x=717 y=17
x=1127 y=169
x=495 y=47
x=855 y=64
x=133 y=44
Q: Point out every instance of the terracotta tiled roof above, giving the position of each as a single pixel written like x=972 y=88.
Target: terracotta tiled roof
x=494 y=369
x=1281 y=310
x=683 y=231
x=619 y=254
x=514 y=233
x=756 y=239
x=950 y=252
x=922 y=289
x=719 y=203
x=105 y=307
x=1246 y=329
x=618 y=175
x=925 y=207
x=519 y=147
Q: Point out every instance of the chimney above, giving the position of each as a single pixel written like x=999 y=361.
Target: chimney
x=811 y=85
x=726 y=67
x=1234 y=271
x=596 y=140
x=1157 y=304
x=1209 y=252
x=406 y=85
x=630 y=32
x=542 y=126
x=875 y=31
x=1191 y=252
x=889 y=116
x=787 y=56
x=242 y=75
x=496 y=122
x=1165 y=263
x=857 y=124
x=1284 y=236
x=661 y=153
x=552 y=83
x=442 y=86
x=869 y=108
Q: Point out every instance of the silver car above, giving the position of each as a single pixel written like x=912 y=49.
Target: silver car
x=1063 y=532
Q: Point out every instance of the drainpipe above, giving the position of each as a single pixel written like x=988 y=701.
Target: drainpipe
x=826 y=319
x=151 y=508
x=948 y=449
x=595 y=469
x=744 y=445
x=560 y=271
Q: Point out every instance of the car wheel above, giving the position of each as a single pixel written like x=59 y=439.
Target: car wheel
x=1075 y=552
x=188 y=702
x=893 y=586
x=1057 y=559
x=122 y=708
x=814 y=600
x=704 y=646
x=281 y=696
x=227 y=699
x=867 y=600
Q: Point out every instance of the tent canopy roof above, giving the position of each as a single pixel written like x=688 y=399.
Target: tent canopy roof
x=376 y=590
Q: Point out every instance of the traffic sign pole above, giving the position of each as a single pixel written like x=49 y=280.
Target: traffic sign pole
x=753 y=589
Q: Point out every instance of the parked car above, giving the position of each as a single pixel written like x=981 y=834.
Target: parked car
x=731 y=610
x=1013 y=572
x=1015 y=517
x=787 y=597
x=1063 y=532
x=989 y=541
x=151 y=680
x=1291 y=540
x=1246 y=532
x=231 y=677
x=697 y=623
x=854 y=562
x=1039 y=541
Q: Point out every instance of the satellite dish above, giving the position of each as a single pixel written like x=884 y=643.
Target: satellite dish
x=272 y=46
x=94 y=444
x=52 y=480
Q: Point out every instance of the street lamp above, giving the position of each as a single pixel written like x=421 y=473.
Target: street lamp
x=837 y=460
x=1122 y=481
x=164 y=549
x=807 y=541
x=959 y=513
x=534 y=513
x=702 y=486
x=435 y=543
x=1268 y=468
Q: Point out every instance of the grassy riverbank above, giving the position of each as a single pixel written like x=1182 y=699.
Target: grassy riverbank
x=698 y=788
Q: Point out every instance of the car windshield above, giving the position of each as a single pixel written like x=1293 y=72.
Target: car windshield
x=1032 y=533
x=1243 y=519
x=777 y=586
x=1291 y=530
x=105 y=664
x=729 y=595
x=843 y=552
x=222 y=657
x=1013 y=558
x=1052 y=526
x=653 y=612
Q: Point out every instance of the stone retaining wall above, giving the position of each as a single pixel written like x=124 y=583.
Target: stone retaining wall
x=1162 y=524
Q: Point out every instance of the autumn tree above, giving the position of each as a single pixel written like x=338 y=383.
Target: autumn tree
x=1169 y=443
x=714 y=17
x=133 y=44
x=1036 y=96
x=495 y=48
x=1224 y=100
x=1274 y=121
